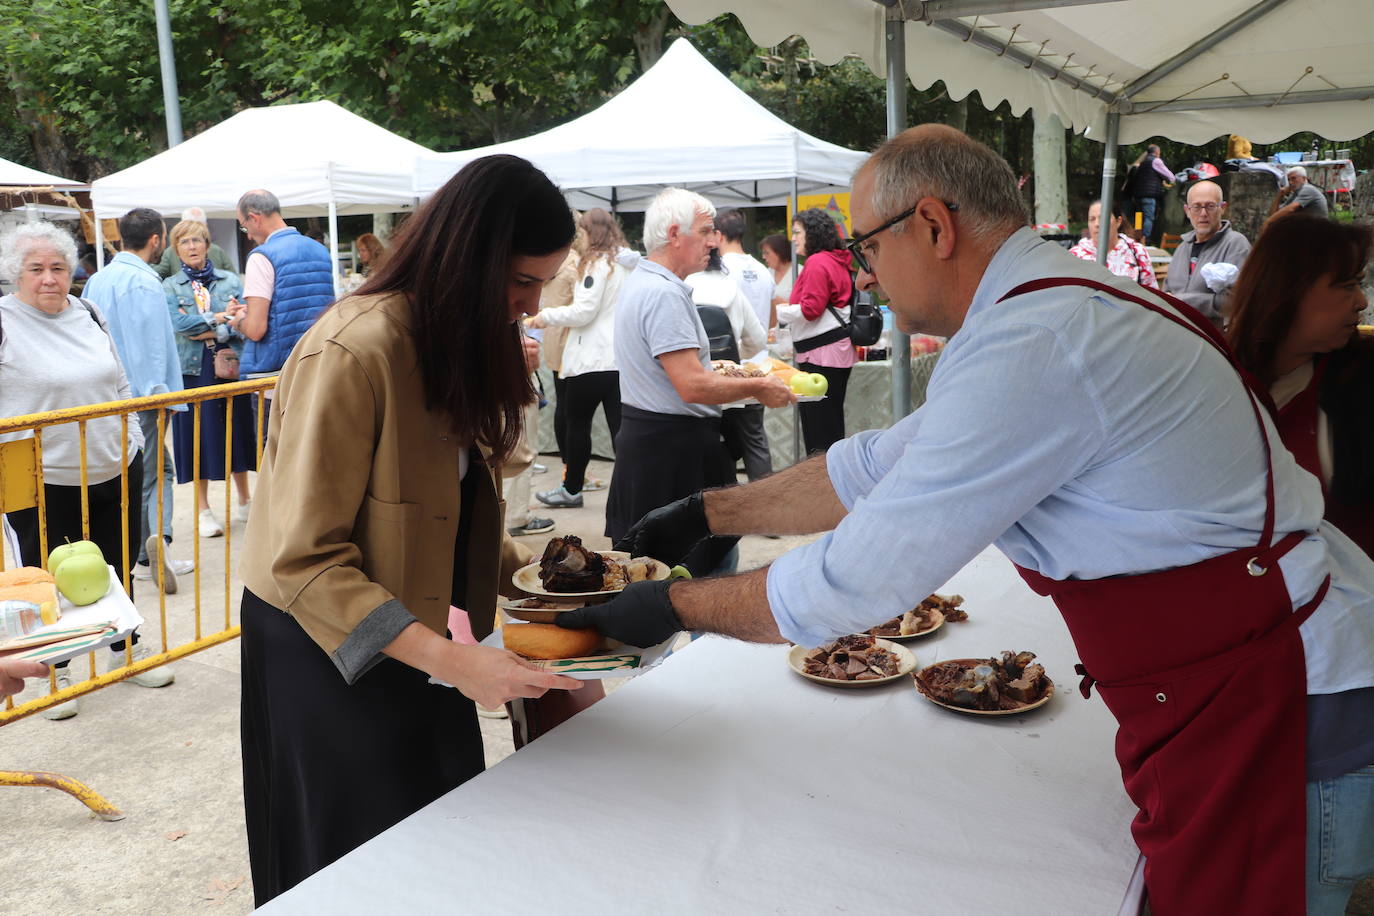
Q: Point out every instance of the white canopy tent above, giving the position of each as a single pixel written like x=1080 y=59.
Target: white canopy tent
x=315 y=156
x=681 y=123
x=14 y=175
x=1118 y=70
x=1261 y=68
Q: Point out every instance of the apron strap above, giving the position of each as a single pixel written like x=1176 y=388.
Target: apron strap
x=1192 y=320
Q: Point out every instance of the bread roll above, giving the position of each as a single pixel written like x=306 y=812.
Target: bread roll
x=24 y=575
x=547 y=640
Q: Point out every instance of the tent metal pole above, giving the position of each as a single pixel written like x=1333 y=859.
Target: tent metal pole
x=1268 y=100
x=796 y=409
x=99 y=240
x=1104 y=222
x=899 y=344
x=333 y=238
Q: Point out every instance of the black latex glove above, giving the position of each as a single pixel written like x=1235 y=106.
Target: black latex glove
x=678 y=534
x=641 y=615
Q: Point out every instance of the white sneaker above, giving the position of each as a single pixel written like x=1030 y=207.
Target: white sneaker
x=62 y=710
x=209 y=525
x=241 y=513
x=170 y=568
x=160 y=676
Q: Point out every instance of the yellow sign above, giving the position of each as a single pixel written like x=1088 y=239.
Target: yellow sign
x=837 y=205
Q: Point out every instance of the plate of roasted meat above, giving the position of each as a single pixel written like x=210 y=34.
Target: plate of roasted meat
x=569 y=570
x=1002 y=686
x=853 y=661
x=924 y=619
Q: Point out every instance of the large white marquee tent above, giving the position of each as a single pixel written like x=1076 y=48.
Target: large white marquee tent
x=317 y=157
x=681 y=123
x=1177 y=68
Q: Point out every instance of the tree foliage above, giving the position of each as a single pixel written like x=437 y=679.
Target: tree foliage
x=83 y=94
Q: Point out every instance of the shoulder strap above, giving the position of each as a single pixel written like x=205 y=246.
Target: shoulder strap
x=95 y=314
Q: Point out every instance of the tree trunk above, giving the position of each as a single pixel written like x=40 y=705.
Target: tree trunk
x=648 y=38
x=1051 y=175
x=958 y=116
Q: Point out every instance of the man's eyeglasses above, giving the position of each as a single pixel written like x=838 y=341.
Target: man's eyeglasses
x=1202 y=208
x=855 y=245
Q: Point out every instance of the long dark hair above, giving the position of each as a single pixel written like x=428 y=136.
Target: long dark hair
x=1292 y=254
x=819 y=230
x=452 y=262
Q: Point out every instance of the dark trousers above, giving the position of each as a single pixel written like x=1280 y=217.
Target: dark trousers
x=582 y=394
x=742 y=429
x=63 y=505
x=328 y=765
x=822 y=422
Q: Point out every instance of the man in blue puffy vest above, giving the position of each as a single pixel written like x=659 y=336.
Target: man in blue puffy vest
x=286 y=284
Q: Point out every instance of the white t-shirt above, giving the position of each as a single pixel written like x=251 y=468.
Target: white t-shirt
x=753 y=279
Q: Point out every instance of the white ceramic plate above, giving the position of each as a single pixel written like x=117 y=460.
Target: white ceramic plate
x=969 y=662
x=526 y=578
x=906 y=665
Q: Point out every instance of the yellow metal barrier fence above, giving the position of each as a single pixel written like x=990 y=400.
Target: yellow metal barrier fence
x=22 y=487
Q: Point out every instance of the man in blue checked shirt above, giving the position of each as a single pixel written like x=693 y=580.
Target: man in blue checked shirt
x=1100 y=436
x=129 y=292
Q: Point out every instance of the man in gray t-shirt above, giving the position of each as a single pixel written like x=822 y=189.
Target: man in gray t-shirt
x=1298 y=196
x=669 y=445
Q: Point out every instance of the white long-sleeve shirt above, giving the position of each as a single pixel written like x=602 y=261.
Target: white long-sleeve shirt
x=1086 y=437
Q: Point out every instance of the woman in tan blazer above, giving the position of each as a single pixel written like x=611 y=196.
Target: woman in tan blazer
x=377 y=507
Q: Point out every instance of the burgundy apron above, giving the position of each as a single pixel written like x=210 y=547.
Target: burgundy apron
x=1297 y=424
x=1203 y=668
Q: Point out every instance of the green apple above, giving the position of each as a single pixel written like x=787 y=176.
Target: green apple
x=679 y=572
x=809 y=383
x=83 y=578
x=63 y=551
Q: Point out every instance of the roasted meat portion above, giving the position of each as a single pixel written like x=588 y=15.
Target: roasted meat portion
x=1008 y=682
x=567 y=566
x=851 y=658
x=924 y=616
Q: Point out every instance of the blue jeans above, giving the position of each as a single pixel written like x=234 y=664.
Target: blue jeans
x=1340 y=839
x=154 y=448
x=1146 y=206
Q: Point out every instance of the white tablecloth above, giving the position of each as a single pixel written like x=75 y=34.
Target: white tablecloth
x=724 y=783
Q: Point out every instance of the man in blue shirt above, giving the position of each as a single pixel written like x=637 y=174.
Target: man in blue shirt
x=129 y=292
x=1094 y=434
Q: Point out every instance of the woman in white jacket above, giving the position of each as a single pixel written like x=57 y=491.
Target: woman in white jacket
x=588 y=354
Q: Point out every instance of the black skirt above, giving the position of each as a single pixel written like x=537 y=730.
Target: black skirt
x=660 y=458
x=212 y=430
x=328 y=765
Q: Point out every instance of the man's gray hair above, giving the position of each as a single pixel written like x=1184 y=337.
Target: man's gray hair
x=195 y=215
x=264 y=203
x=16 y=244
x=672 y=207
x=951 y=167
x=1296 y=170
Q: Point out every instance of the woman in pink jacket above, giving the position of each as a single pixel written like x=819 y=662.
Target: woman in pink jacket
x=818 y=316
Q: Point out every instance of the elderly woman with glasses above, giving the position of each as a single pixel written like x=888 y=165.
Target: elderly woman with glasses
x=200 y=296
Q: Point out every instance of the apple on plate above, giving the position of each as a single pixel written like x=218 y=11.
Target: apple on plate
x=809 y=383
x=80 y=572
x=70 y=549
